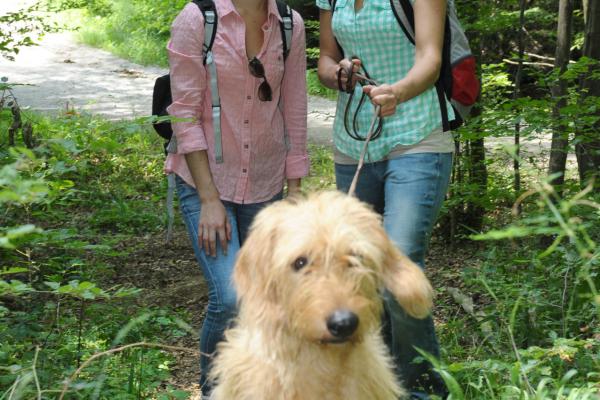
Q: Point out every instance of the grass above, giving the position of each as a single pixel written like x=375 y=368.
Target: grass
x=103 y=197
x=99 y=185
x=139 y=33
x=99 y=217
x=315 y=88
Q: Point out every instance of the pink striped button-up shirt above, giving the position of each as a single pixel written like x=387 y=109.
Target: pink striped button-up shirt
x=256 y=158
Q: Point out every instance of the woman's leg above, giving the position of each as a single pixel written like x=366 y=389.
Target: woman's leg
x=415 y=187
x=369 y=187
x=217 y=273
x=246 y=213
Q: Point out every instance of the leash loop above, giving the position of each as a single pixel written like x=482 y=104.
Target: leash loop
x=362 y=78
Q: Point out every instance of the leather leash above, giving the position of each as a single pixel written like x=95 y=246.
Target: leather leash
x=349 y=89
x=361 y=160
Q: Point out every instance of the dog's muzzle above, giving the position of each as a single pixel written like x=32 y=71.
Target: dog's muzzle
x=342 y=324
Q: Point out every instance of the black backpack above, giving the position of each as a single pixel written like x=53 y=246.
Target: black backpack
x=161 y=95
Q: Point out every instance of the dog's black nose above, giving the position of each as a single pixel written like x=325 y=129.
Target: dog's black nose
x=342 y=323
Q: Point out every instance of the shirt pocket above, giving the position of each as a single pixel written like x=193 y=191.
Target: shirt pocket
x=274 y=68
x=342 y=4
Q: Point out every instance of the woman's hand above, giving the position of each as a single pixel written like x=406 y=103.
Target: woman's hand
x=341 y=74
x=294 y=188
x=213 y=224
x=384 y=96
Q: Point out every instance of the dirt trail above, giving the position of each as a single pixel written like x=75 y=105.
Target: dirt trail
x=61 y=73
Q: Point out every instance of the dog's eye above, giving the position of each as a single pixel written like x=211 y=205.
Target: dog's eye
x=355 y=259
x=300 y=263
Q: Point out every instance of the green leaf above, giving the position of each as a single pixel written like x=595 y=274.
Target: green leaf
x=13 y=270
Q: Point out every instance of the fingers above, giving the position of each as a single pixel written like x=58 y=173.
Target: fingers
x=228 y=230
x=223 y=239
x=207 y=239
x=384 y=97
x=212 y=242
x=208 y=236
x=356 y=64
x=345 y=68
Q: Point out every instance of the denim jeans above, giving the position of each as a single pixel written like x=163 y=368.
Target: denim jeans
x=216 y=270
x=408 y=192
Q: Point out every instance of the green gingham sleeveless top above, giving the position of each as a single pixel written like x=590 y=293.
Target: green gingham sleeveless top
x=373 y=34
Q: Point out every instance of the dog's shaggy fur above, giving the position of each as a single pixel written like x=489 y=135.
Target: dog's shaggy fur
x=309 y=281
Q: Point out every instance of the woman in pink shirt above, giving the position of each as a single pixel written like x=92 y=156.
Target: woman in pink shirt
x=221 y=186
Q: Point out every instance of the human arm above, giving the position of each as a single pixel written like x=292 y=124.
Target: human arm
x=294 y=101
x=331 y=61
x=188 y=87
x=430 y=16
x=213 y=222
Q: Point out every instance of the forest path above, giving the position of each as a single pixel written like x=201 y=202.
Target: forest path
x=61 y=73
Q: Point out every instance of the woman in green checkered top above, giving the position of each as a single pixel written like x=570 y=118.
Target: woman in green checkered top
x=407 y=166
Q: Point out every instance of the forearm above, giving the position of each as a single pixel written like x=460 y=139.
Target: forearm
x=327 y=71
x=421 y=77
x=429 y=38
x=199 y=167
x=329 y=53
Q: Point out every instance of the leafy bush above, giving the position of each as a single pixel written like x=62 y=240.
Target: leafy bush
x=63 y=205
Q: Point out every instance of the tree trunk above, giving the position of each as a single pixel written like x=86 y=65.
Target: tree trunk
x=478 y=176
x=516 y=95
x=587 y=148
x=16 y=124
x=558 y=151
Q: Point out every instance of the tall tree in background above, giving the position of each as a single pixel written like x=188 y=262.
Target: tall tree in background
x=517 y=94
x=560 y=141
x=587 y=148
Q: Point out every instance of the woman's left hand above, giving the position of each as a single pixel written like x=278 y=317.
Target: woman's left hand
x=384 y=96
x=294 y=187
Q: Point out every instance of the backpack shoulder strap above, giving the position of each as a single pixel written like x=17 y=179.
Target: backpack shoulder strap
x=210 y=31
x=403 y=11
x=209 y=11
x=286 y=25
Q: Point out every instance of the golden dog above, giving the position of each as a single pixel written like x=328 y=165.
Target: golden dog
x=309 y=281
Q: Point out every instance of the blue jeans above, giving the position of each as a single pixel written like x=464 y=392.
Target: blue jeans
x=217 y=270
x=408 y=192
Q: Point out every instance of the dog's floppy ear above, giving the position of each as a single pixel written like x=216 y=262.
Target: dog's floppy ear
x=250 y=275
x=407 y=282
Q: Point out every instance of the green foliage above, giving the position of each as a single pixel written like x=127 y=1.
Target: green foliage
x=528 y=323
x=137 y=30
x=315 y=88
x=535 y=336
x=21 y=28
x=65 y=205
x=321 y=175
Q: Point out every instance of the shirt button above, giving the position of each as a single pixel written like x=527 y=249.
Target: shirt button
x=244 y=170
x=245 y=146
x=246 y=121
x=249 y=97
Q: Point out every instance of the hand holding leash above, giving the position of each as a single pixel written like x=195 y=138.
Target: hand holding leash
x=346 y=74
x=382 y=96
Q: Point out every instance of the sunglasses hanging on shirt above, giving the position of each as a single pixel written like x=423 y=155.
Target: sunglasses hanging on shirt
x=265 y=93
